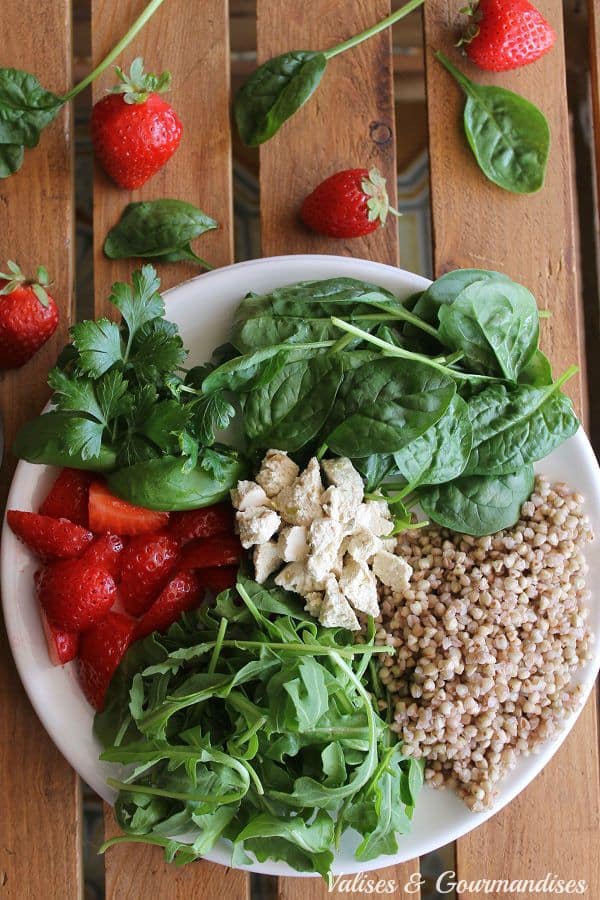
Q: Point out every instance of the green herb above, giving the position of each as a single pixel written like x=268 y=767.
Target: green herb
x=158 y=229
x=509 y=135
x=26 y=108
x=253 y=723
x=278 y=88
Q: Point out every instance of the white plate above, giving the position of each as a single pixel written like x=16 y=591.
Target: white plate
x=203 y=309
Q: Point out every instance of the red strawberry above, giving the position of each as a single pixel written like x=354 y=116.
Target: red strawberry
x=134 y=131
x=183 y=592
x=105 y=552
x=220 y=578
x=49 y=538
x=62 y=644
x=100 y=652
x=201 y=523
x=110 y=513
x=68 y=497
x=28 y=315
x=218 y=550
x=348 y=204
x=75 y=594
x=146 y=564
x=507 y=34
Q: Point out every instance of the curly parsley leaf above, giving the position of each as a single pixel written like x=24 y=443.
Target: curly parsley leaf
x=98 y=344
x=139 y=302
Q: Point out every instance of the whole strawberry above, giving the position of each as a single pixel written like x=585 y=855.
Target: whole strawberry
x=507 y=34
x=28 y=315
x=348 y=204
x=134 y=131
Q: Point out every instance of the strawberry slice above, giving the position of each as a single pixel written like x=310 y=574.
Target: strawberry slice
x=75 y=594
x=201 y=523
x=62 y=644
x=205 y=553
x=220 y=578
x=110 y=513
x=49 y=538
x=68 y=497
x=100 y=651
x=146 y=564
x=105 y=552
x=183 y=592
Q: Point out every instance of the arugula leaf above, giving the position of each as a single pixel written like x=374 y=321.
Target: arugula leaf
x=98 y=344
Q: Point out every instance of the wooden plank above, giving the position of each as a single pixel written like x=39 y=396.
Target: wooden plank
x=197 y=54
x=348 y=123
x=594 y=32
x=532 y=239
x=40 y=834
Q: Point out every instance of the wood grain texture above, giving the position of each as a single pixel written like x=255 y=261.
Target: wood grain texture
x=40 y=842
x=192 y=42
x=554 y=825
x=348 y=122
x=594 y=33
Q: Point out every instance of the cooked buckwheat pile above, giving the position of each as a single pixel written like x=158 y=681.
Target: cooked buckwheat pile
x=487 y=637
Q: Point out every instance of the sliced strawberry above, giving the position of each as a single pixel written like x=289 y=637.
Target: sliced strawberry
x=205 y=553
x=146 y=564
x=184 y=591
x=110 y=513
x=62 y=644
x=105 y=552
x=68 y=497
x=201 y=523
x=220 y=578
x=75 y=594
x=49 y=538
x=100 y=651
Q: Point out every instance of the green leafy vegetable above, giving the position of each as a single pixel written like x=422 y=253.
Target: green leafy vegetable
x=442 y=452
x=509 y=135
x=158 y=229
x=11 y=159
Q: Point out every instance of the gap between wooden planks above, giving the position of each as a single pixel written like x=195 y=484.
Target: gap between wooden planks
x=40 y=818
x=348 y=123
x=554 y=825
x=196 y=51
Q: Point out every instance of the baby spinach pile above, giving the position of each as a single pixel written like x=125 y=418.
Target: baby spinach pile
x=444 y=400
x=250 y=722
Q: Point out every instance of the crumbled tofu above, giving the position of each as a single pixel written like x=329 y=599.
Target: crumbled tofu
x=266 y=560
x=342 y=473
x=363 y=544
x=277 y=472
x=248 y=494
x=358 y=584
x=324 y=539
x=257 y=525
x=392 y=570
x=335 y=609
x=314 y=600
x=389 y=544
x=300 y=502
x=341 y=503
x=293 y=543
x=374 y=516
x=294 y=577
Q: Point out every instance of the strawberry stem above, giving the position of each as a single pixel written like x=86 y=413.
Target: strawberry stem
x=117 y=49
x=374 y=29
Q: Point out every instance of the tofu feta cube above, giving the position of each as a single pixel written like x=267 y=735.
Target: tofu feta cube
x=293 y=543
x=363 y=544
x=248 y=494
x=324 y=539
x=294 y=577
x=277 y=472
x=300 y=502
x=313 y=603
x=266 y=560
x=257 y=525
x=359 y=586
x=342 y=473
x=341 y=503
x=374 y=516
x=392 y=570
x=335 y=609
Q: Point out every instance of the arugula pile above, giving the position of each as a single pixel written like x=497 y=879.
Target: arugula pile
x=123 y=405
x=251 y=722
x=445 y=400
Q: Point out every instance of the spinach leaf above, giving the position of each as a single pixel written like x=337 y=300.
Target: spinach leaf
x=442 y=452
x=11 y=159
x=509 y=135
x=446 y=289
x=495 y=325
x=537 y=371
x=158 y=229
x=242 y=373
x=517 y=425
x=25 y=108
x=275 y=92
x=375 y=469
x=385 y=404
x=478 y=504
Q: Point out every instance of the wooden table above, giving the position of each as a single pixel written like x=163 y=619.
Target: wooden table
x=554 y=825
